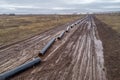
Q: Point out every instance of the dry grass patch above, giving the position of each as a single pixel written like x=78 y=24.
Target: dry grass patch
x=113 y=20
x=16 y=28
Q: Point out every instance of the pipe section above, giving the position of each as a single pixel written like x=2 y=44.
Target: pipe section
x=61 y=35
x=47 y=46
x=8 y=74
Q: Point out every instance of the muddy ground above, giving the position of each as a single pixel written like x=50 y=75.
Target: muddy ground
x=89 y=51
x=111 y=44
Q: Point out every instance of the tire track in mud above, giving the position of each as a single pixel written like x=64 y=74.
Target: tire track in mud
x=18 y=54
x=78 y=56
x=111 y=44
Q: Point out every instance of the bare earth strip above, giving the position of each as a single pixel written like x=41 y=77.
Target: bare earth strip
x=78 y=56
x=17 y=54
x=111 y=44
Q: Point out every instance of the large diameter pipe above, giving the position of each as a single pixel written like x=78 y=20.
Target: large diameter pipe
x=67 y=29
x=6 y=75
x=72 y=25
x=61 y=35
x=47 y=46
x=75 y=23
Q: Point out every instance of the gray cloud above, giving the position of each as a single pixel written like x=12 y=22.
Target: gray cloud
x=58 y=6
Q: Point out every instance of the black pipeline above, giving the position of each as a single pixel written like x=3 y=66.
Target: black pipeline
x=6 y=75
x=48 y=45
x=67 y=29
x=75 y=23
x=72 y=25
x=61 y=35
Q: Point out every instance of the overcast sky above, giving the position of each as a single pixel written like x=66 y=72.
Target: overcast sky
x=58 y=6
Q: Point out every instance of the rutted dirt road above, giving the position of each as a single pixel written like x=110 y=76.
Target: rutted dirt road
x=78 y=56
x=17 y=54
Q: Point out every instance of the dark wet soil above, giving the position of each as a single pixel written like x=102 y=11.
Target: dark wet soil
x=111 y=44
x=77 y=56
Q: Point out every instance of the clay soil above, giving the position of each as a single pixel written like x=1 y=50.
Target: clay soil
x=111 y=44
x=89 y=51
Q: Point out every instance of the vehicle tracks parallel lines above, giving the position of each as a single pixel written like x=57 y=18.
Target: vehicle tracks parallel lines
x=77 y=56
x=24 y=50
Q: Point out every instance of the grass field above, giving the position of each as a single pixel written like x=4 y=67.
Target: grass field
x=113 y=20
x=16 y=28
